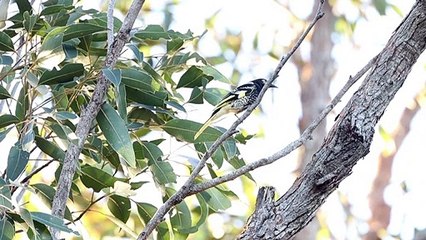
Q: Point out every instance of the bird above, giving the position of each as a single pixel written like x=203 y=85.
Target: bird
x=235 y=101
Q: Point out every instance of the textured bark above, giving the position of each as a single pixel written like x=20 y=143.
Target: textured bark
x=350 y=138
x=314 y=78
x=380 y=211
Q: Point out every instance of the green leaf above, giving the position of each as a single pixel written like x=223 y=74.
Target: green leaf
x=116 y=134
x=7 y=119
x=176 y=105
x=153 y=32
x=29 y=21
x=4 y=133
x=193 y=77
x=146 y=211
x=380 y=6
x=217 y=156
x=138 y=54
x=64 y=115
x=163 y=172
x=119 y=207
x=50 y=148
x=121 y=101
x=237 y=163
x=16 y=162
x=6 y=43
x=54 y=9
x=147 y=98
x=4 y=94
x=174 y=45
x=137 y=79
x=67 y=74
x=79 y=30
x=185 y=130
x=181 y=217
x=216 y=199
x=113 y=75
x=7 y=231
x=6 y=60
x=211 y=71
x=22 y=104
x=147 y=150
x=24 y=6
x=204 y=213
x=5 y=196
x=51 y=221
x=196 y=96
x=51 y=51
x=26 y=216
x=96 y=178
x=214 y=95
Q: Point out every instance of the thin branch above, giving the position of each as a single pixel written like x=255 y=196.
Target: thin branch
x=87 y=209
x=184 y=191
x=89 y=114
x=306 y=135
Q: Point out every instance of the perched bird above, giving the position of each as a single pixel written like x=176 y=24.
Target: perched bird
x=235 y=102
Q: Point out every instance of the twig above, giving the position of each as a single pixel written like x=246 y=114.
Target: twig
x=186 y=188
x=306 y=135
x=89 y=114
x=87 y=209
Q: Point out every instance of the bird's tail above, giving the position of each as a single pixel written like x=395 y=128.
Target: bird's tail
x=205 y=125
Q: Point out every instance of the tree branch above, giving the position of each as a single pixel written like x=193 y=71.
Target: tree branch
x=306 y=136
x=184 y=191
x=89 y=114
x=350 y=138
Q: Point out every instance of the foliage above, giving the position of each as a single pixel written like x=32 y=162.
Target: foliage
x=53 y=57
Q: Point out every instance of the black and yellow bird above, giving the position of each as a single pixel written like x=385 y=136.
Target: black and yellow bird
x=235 y=102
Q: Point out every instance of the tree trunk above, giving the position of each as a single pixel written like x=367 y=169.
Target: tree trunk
x=350 y=138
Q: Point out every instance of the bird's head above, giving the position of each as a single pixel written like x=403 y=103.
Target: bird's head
x=259 y=83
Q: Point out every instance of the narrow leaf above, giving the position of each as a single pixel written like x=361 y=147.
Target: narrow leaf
x=216 y=199
x=7 y=119
x=115 y=131
x=193 y=77
x=16 y=162
x=4 y=93
x=113 y=75
x=51 y=221
x=95 y=178
x=185 y=130
x=67 y=74
x=79 y=30
x=137 y=79
x=163 y=172
x=6 y=43
x=50 y=148
x=119 y=207
x=7 y=231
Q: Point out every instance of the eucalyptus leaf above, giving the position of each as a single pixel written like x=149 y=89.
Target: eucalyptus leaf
x=116 y=133
x=16 y=162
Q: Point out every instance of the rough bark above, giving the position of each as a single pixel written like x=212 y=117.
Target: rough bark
x=350 y=138
x=380 y=210
x=314 y=78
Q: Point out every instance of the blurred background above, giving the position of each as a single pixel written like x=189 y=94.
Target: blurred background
x=385 y=196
